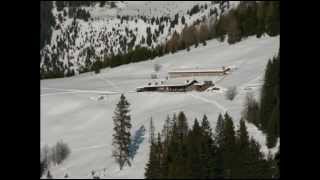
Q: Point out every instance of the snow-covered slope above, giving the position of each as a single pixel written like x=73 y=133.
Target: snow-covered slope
x=105 y=33
x=70 y=109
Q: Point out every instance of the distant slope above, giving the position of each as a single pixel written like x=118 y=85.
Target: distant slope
x=77 y=43
x=86 y=124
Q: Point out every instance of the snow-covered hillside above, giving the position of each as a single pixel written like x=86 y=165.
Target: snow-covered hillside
x=120 y=29
x=70 y=109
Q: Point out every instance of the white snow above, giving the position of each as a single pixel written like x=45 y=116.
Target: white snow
x=70 y=109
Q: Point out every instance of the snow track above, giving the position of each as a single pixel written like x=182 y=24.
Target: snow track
x=215 y=103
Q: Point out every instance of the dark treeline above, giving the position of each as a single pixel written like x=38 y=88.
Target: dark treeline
x=197 y=152
x=266 y=115
x=46 y=22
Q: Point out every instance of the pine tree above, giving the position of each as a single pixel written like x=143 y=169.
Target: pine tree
x=151 y=130
x=194 y=161
x=273 y=128
x=182 y=125
x=251 y=110
x=277 y=160
x=243 y=135
x=208 y=149
x=183 y=20
x=241 y=159
x=205 y=125
x=121 y=136
x=266 y=97
x=229 y=145
x=218 y=135
x=219 y=167
x=49 y=176
x=153 y=167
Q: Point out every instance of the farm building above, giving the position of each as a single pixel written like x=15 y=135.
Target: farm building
x=198 y=72
x=174 y=86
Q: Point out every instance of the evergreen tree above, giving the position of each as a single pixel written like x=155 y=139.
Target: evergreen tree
x=277 y=161
x=183 y=20
x=218 y=135
x=151 y=130
x=241 y=171
x=266 y=97
x=273 y=128
x=194 y=161
x=153 y=168
x=49 y=176
x=166 y=131
x=243 y=135
x=251 y=110
x=182 y=125
x=228 y=145
x=121 y=136
x=219 y=170
x=272 y=18
x=260 y=18
x=208 y=149
x=205 y=125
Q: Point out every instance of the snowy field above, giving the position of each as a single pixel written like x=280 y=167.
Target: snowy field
x=71 y=111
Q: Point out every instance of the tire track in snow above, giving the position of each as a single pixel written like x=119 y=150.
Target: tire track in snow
x=70 y=91
x=224 y=109
x=90 y=147
x=110 y=83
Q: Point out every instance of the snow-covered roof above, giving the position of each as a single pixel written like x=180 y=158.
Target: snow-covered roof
x=171 y=82
x=192 y=70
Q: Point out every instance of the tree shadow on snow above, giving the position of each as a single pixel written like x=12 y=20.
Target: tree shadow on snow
x=136 y=141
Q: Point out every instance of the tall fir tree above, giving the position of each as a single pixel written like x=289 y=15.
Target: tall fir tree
x=205 y=125
x=121 y=136
x=219 y=170
x=208 y=149
x=229 y=145
x=242 y=151
x=151 y=132
x=194 y=161
x=218 y=135
x=182 y=125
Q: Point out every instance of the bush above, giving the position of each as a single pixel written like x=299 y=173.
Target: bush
x=55 y=154
x=154 y=76
x=157 y=67
x=231 y=93
x=251 y=110
x=62 y=151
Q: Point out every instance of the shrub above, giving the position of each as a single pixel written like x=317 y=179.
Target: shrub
x=231 y=93
x=154 y=76
x=157 y=67
x=62 y=151
x=251 y=110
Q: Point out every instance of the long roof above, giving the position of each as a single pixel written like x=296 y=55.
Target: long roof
x=171 y=83
x=193 y=70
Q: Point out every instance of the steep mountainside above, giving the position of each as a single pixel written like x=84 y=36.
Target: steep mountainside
x=116 y=29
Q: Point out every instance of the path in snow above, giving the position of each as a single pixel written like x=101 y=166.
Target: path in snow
x=199 y=97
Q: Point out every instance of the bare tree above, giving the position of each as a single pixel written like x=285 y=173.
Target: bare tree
x=231 y=93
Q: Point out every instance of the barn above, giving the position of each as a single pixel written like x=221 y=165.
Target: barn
x=198 y=72
x=174 y=86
